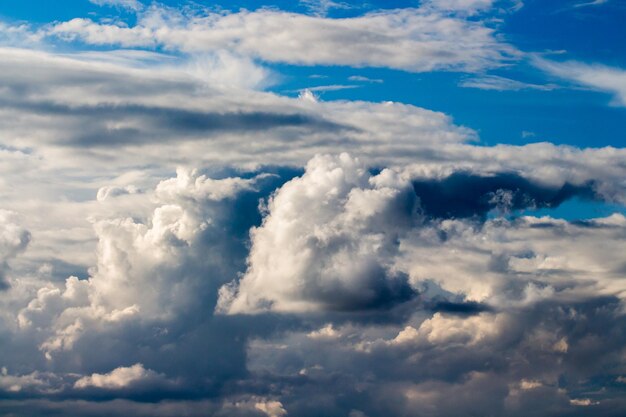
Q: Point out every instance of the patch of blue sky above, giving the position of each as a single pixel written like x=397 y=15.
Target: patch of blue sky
x=576 y=209
x=46 y=11
x=589 y=34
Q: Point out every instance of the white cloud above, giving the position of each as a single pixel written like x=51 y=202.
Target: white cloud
x=271 y=408
x=322 y=7
x=327 y=243
x=494 y=82
x=532 y=254
x=444 y=330
x=13 y=240
x=599 y=77
x=144 y=270
x=582 y=402
x=466 y=6
x=591 y=3
x=505 y=308
x=361 y=78
x=415 y=40
x=128 y=4
x=19 y=383
x=122 y=377
x=228 y=70
x=108 y=192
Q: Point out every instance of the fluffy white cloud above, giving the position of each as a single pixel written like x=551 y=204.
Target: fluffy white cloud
x=445 y=330
x=122 y=377
x=524 y=261
x=327 y=242
x=145 y=271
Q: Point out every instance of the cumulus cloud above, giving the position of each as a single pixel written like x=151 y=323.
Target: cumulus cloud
x=327 y=243
x=122 y=377
x=415 y=40
x=134 y=257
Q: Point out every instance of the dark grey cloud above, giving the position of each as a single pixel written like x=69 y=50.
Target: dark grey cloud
x=162 y=124
x=463 y=195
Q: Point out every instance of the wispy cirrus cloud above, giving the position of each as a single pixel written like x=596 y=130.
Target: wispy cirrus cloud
x=591 y=3
x=498 y=83
x=134 y=5
x=595 y=76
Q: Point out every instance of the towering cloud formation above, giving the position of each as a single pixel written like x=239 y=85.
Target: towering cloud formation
x=328 y=242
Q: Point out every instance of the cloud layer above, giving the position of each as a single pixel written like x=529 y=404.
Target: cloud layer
x=415 y=40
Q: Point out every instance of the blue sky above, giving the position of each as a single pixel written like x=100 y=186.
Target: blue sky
x=313 y=208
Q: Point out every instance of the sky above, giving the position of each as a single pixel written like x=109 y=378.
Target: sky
x=312 y=208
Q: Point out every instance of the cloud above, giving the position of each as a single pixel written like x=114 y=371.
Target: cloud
x=361 y=78
x=497 y=83
x=134 y=5
x=462 y=6
x=465 y=195
x=13 y=240
x=333 y=255
x=400 y=274
x=133 y=256
x=109 y=192
x=591 y=3
x=33 y=382
x=466 y=297
x=332 y=87
x=322 y=7
x=415 y=40
x=598 y=77
x=120 y=378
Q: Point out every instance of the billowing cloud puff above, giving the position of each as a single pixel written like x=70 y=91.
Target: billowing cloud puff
x=526 y=260
x=328 y=242
x=146 y=271
x=120 y=378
